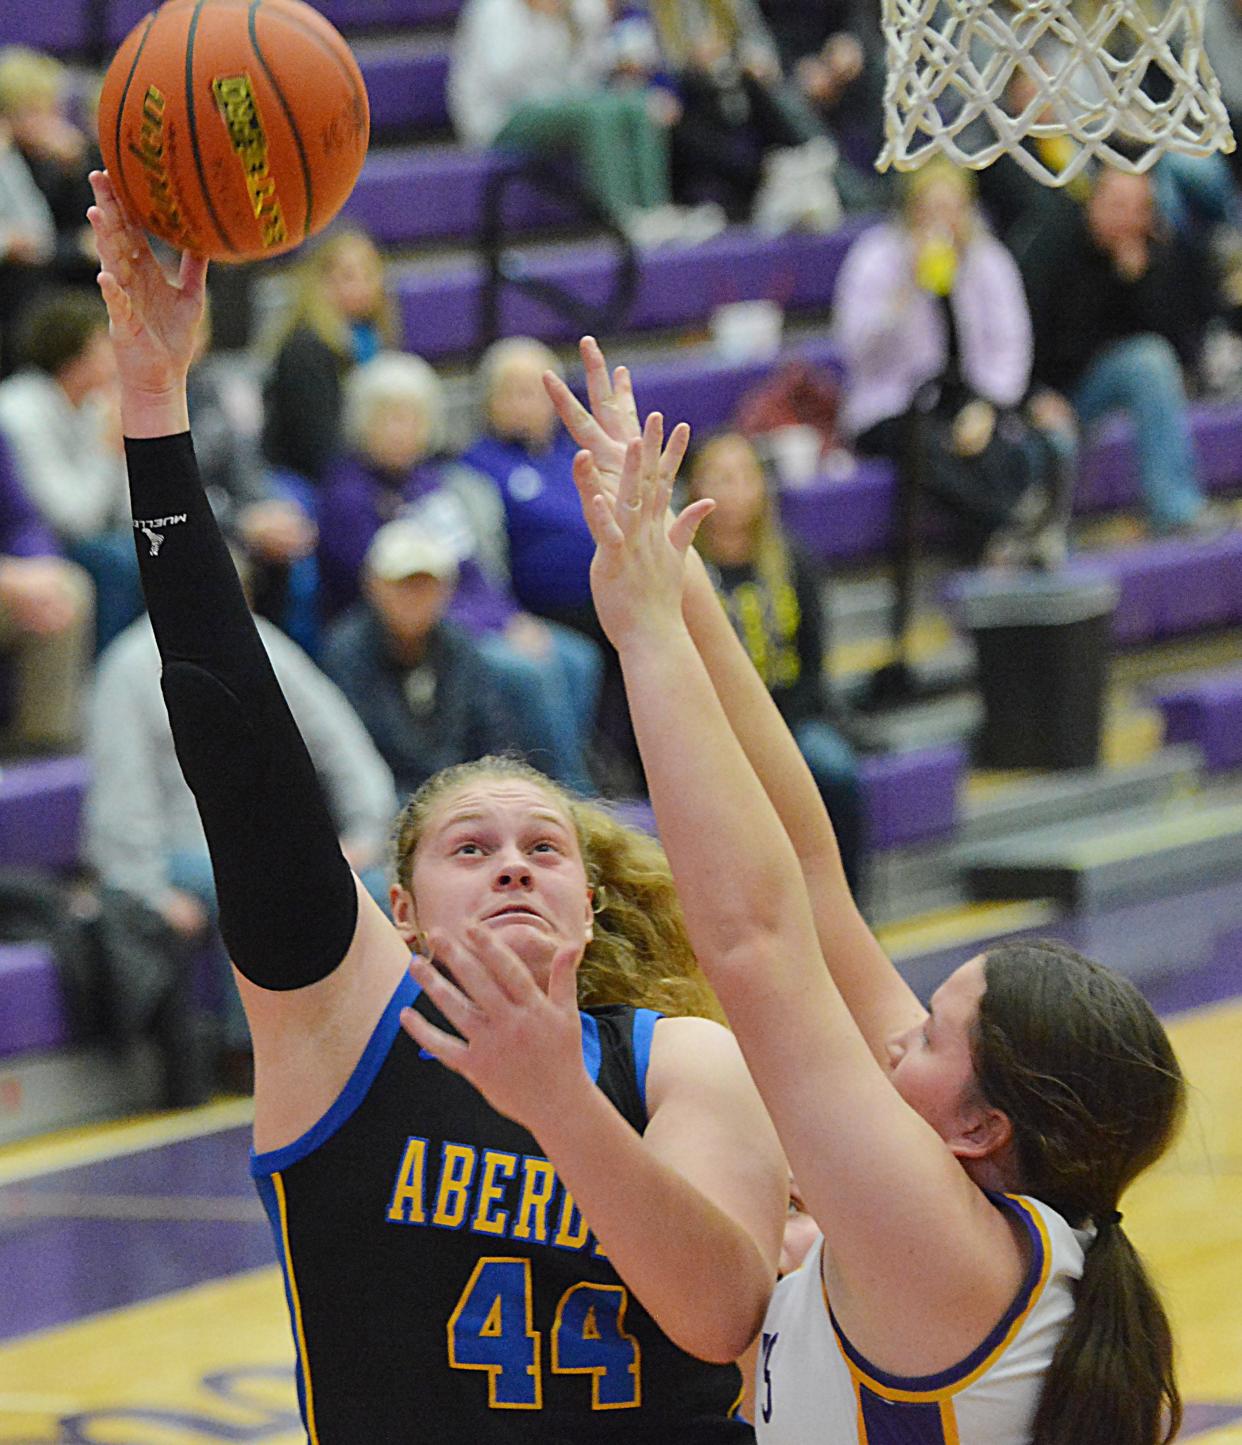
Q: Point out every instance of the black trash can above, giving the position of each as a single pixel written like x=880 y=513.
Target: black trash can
x=1043 y=642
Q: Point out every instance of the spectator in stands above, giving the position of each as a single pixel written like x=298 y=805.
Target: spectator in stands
x=339 y=315
x=1222 y=39
x=530 y=458
x=772 y=595
x=746 y=137
x=61 y=416
x=417 y=680
x=268 y=517
x=532 y=76
x=45 y=628
x=142 y=829
x=931 y=299
x=1115 y=321
x=394 y=425
x=833 y=52
x=60 y=155
x=27 y=242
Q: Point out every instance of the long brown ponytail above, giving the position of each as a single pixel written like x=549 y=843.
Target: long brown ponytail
x=1083 y=1068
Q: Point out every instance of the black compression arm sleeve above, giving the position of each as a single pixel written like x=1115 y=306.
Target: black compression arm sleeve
x=288 y=905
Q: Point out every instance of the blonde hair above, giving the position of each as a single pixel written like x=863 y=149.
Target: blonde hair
x=392 y=378
x=503 y=353
x=939 y=171
x=309 y=306
x=770 y=550
x=28 y=75
x=640 y=953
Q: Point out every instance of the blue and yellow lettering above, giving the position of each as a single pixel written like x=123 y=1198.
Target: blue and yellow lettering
x=530 y=1220
x=572 y=1232
x=408 y=1205
x=494 y=1163
x=456 y=1172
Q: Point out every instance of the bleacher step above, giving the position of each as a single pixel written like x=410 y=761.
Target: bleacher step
x=910 y=881
x=1090 y=865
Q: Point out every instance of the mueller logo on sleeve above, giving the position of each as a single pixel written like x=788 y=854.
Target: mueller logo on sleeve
x=150 y=529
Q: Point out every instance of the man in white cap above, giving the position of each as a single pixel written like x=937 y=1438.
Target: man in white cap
x=418 y=681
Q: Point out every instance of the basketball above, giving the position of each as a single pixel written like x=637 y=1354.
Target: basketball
x=234 y=128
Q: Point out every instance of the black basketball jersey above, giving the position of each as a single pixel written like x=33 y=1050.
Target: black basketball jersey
x=444 y=1287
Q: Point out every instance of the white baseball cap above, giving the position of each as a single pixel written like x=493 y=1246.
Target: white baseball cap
x=404 y=549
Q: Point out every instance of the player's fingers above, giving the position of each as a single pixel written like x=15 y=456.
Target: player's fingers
x=192 y=275
x=563 y=979
x=675 y=452
x=605 y=529
x=120 y=311
x=456 y=1006
x=630 y=490
x=653 y=445
x=487 y=968
x=586 y=479
x=684 y=527
x=623 y=397
x=579 y=422
x=451 y=1052
x=599 y=386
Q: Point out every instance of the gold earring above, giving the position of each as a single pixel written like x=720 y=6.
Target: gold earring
x=599 y=899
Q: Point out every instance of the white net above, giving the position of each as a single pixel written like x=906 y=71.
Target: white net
x=1057 y=84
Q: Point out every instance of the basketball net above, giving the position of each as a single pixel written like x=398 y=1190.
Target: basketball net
x=975 y=79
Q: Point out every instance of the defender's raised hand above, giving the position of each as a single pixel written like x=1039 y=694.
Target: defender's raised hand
x=612 y=422
x=638 y=571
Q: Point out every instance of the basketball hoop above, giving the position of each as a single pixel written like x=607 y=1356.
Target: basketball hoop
x=974 y=79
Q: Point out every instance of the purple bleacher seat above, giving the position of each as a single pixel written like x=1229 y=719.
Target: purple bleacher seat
x=405 y=83
x=705 y=390
x=846 y=518
x=1108 y=480
x=32 y=1005
x=912 y=797
x=908 y=797
x=1206 y=710
x=40 y=809
x=676 y=287
x=58 y=25
x=431 y=193
x=1176 y=586
x=347 y=15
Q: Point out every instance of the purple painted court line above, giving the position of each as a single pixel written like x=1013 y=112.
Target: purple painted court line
x=59 y=1268
x=1199 y=1419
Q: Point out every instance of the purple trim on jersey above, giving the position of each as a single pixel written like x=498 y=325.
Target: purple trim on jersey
x=929 y=1384
x=889 y=1422
x=355 y=1090
x=645 y=1020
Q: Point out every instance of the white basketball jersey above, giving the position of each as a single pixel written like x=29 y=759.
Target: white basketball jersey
x=812 y=1386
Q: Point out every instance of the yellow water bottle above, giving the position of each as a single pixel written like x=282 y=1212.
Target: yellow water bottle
x=935 y=266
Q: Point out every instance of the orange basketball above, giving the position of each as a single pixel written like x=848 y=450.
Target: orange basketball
x=234 y=128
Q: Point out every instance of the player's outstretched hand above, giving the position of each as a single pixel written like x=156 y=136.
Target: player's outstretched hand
x=154 y=319
x=612 y=422
x=519 y=1046
x=638 y=571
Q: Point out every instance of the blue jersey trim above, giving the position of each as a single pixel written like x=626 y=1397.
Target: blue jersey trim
x=267 y=1193
x=946 y=1379
x=591 y=1055
x=355 y=1090
x=645 y=1020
